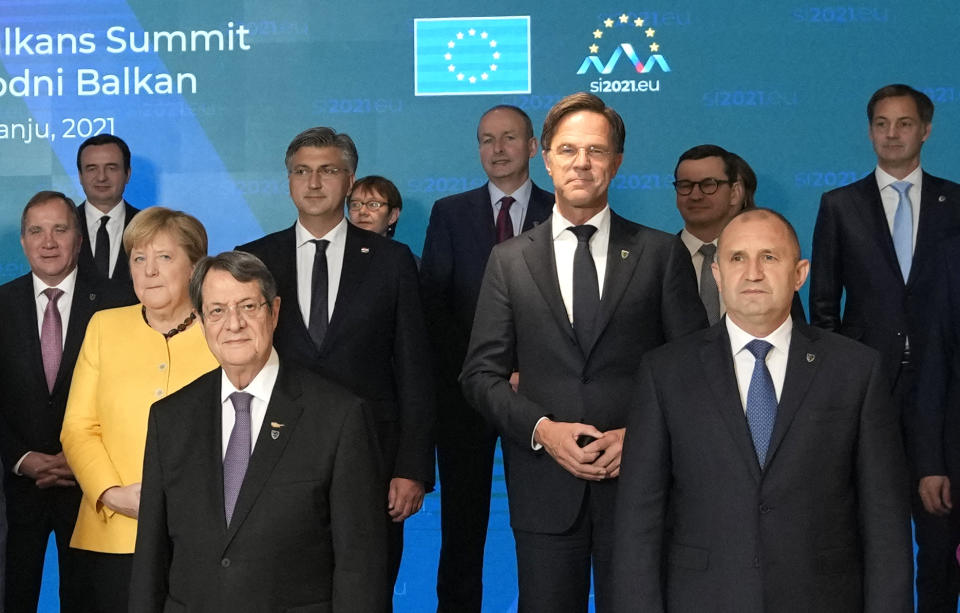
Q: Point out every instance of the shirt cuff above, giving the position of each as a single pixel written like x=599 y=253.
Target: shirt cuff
x=533 y=444
x=16 y=467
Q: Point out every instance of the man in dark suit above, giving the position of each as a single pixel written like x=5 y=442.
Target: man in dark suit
x=45 y=314
x=762 y=469
x=103 y=163
x=463 y=229
x=875 y=244
x=360 y=320
x=572 y=305
x=296 y=523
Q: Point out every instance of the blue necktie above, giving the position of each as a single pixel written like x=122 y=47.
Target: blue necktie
x=903 y=228
x=237 y=457
x=761 y=400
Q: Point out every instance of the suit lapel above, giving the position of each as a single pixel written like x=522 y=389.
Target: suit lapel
x=540 y=260
x=875 y=220
x=357 y=255
x=208 y=430
x=481 y=219
x=85 y=253
x=285 y=273
x=285 y=409
x=623 y=253
x=538 y=209
x=81 y=308
x=718 y=370
x=932 y=205
x=802 y=365
x=24 y=321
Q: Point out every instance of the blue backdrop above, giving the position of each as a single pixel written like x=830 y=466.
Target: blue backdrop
x=208 y=95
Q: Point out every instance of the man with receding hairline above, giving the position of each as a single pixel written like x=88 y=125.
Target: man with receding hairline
x=762 y=469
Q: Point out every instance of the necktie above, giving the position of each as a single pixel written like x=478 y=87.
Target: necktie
x=319 y=313
x=504 y=223
x=238 y=453
x=761 y=400
x=51 y=336
x=708 y=285
x=101 y=256
x=586 y=287
x=903 y=228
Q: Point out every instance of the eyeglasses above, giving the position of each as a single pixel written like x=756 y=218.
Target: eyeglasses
x=325 y=172
x=373 y=205
x=707 y=186
x=248 y=311
x=568 y=153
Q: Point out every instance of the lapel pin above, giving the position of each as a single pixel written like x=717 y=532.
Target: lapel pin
x=274 y=434
x=942 y=199
x=624 y=254
x=364 y=250
x=92 y=297
x=811 y=357
x=274 y=424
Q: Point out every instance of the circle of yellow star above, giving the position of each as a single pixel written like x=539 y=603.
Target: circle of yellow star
x=493 y=67
x=448 y=56
x=598 y=33
x=484 y=76
x=608 y=22
x=451 y=44
x=451 y=68
x=650 y=32
x=624 y=18
x=459 y=35
x=493 y=43
x=460 y=77
x=654 y=47
x=496 y=55
x=472 y=79
x=594 y=49
x=638 y=22
x=471 y=31
x=483 y=35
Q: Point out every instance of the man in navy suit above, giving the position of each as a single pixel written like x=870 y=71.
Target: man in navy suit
x=354 y=315
x=463 y=229
x=875 y=244
x=572 y=305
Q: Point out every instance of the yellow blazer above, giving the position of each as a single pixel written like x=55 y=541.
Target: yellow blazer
x=124 y=367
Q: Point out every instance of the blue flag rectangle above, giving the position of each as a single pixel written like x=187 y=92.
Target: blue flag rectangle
x=471 y=55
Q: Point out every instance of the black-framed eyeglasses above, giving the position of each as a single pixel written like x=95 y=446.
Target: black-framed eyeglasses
x=707 y=186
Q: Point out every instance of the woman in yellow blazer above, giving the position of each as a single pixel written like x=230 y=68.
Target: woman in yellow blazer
x=131 y=357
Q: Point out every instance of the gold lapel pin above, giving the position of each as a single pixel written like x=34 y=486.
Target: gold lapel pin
x=274 y=424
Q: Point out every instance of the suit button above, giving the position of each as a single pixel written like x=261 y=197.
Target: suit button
x=225 y=563
x=756 y=561
x=159 y=393
x=163 y=366
x=584 y=380
x=765 y=509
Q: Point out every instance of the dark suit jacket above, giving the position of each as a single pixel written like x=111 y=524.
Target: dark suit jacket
x=120 y=281
x=376 y=344
x=459 y=238
x=30 y=415
x=649 y=297
x=823 y=527
x=307 y=532
x=853 y=253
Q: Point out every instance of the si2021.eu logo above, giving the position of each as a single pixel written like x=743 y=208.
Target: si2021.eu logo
x=623 y=45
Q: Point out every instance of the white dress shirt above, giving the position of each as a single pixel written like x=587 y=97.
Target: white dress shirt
x=518 y=210
x=891 y=197
x=305 y=254
x=743 y=360
x=115 y=227
x=261 y=388
x=565 y=245
x=693 y=244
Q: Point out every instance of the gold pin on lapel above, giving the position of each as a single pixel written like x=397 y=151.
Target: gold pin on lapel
x=811 y=357
x=624 y=254
x=275 y=432
x=274 y=424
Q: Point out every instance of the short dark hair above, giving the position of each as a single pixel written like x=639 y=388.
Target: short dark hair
x=701 y=152
x=763 y=211
x=322 y=136
x=747 y=178
x=242 y=266
x=527 y=123
x=385 y=188
x=43 y=197
x=923 y=102
x=582 y=101
x=106 y=139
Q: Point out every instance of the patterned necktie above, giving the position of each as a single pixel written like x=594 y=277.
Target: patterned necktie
x=708 y=285
x=586 y=287
x=101 y=256
x=319 y=312
x=238 y=453
x=504 y=223
x=51 y=336
x=761 y=400
x=903 y=228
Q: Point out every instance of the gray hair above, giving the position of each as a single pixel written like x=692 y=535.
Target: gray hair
x=242 y=266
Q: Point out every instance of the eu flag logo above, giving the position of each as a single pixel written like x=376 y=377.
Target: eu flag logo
x=471 y=55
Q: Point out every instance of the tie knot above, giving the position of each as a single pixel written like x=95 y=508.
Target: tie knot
x=708 y=250
x=104 y=220
x=241 y=401
x=506 y=202
x=902 y=186
x=53 y=294
x=321 y=244
x=759 y=349
x=583 y=233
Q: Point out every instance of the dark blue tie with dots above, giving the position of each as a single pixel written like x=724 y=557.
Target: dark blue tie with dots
x=761 y=400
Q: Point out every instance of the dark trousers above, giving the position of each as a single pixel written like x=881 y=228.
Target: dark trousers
x=938 y=577
x=553 y=570
x=394 y=556
x=465 y=450
x=106 y=578
x=32 y=515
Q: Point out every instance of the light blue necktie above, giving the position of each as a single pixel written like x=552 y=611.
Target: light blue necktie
x=761 y=400
x=903 y=228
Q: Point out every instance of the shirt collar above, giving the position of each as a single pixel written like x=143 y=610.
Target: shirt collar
x=560 y=223
x=93 y=214
x=262 y=384
x=521 y=194
x=337 y=235
x=692 y=243
x=66 y=286
x=885 y=179
x=779 y=338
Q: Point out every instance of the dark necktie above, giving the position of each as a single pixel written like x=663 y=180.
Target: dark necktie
x=101 y=256
x=761 y=400
x=51 y=336
x=319 y=313
x=504 y=223
x=237 y=457
x=708 y=285
x=586 y=287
